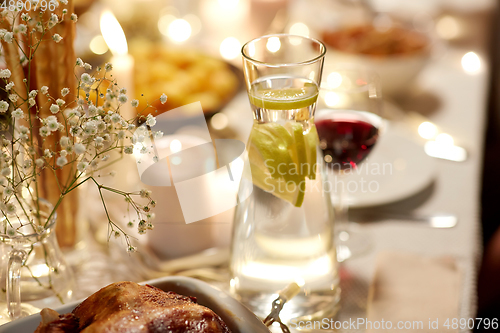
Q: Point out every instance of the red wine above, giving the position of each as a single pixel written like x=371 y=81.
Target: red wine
x=346 y=138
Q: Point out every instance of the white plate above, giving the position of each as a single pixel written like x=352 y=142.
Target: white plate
x=396 y=169
x=236 y=316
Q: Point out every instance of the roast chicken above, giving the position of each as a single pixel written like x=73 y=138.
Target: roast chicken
x=127 y=307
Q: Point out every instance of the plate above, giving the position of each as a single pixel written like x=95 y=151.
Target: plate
x=236 y=316
x=396 y=169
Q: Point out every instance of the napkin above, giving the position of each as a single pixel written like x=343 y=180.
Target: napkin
x=421 y=294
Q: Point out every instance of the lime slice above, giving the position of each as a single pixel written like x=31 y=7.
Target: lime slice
x=284 y=99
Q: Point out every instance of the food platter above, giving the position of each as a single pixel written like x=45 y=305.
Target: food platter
x=236 y=316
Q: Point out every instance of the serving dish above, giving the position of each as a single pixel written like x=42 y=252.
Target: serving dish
x=236 y=316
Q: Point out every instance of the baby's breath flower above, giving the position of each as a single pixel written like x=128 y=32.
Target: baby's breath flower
x=63 y=153
x=150 y=120
x=64 y=92
x=53 y=126
x=79 y=62
x=33 y=93
x=61 y=161
x=123 y=90
x=163 y=98
x=23 y=129
x=39 y=162
x=7 y=37
x=44 y=131
x=122 y=98
x=81 y=166
x=74 y=17
x=131 y=127
x=158 y=134
x=64 y=142
x=64 y=2
x=47 y=153
x=98 y=139
x=131 y=249
x=105 y=158
x=108 y=67
x=80 y=102
x=134 y=103
x=116 y=118
x=18 y=113
x=92 y=110
x=60 y=102
x=31 y=101
x=79 y=148
x=54 y=108
x=44 y=90
x=9 y=86
x=22 y=28
x=57 y=38
x=87 y=79
x=4 y=106
x=5 y=74
x=25 y=17
x=13 y=98
x=54 y=18
x=87 y=66
x=129 y=150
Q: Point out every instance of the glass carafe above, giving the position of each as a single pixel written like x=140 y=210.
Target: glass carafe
x=283 y=232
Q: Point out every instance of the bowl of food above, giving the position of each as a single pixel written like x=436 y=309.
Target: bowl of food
x=184 y=75
x=397 y=54
x=172 y=303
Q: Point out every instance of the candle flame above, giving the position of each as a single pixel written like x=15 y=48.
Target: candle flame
x=113 y=34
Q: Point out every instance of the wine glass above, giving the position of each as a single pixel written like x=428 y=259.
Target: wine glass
x=348 y=122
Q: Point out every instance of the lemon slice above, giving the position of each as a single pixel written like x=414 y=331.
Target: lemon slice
x=284 y=99
x=281 y=158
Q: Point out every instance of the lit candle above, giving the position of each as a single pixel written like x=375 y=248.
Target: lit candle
x=123 y=63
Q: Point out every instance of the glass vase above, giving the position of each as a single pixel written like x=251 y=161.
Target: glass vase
x=283 y=232
x=32 y=265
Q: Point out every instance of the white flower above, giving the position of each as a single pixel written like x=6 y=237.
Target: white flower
x=4 y=106
x=25 y=17
x=150 y=120
x=140 y=138
x=122 y=98
x=54 y=18
x=80 y=102
x=23 y=129
x=81 y=166
x=60 y=102
x=5 y=74
x=98 y=139
x=87 y=79
x=8 y=191
x=129 y=150
x=79 y=148
x=87 y=66
x=64 y=92
x=47 y=153
x=61 y=161
x=131 y=127
x=75 y=131
x=158 y=134
x=57 y=38
x=33 y=93
x=105 y=158
x=18 y=113
x=63 y=153
x=134 y=103
x=54 y=108
x=64 y=142
x=53 y=126
x=121 y=135
x=92 y=110
x=131 y=249
x=44 y=90
x=163 y=99
x=108 y=67
x=64 y=2
x=13 y=98
x=44 y=131
x=39 y=162
x=116 y=118
x=8 y=37
x=79 y=62
x=31 y=101
x=22 y=28
x=74 y=17
x=9 y=86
